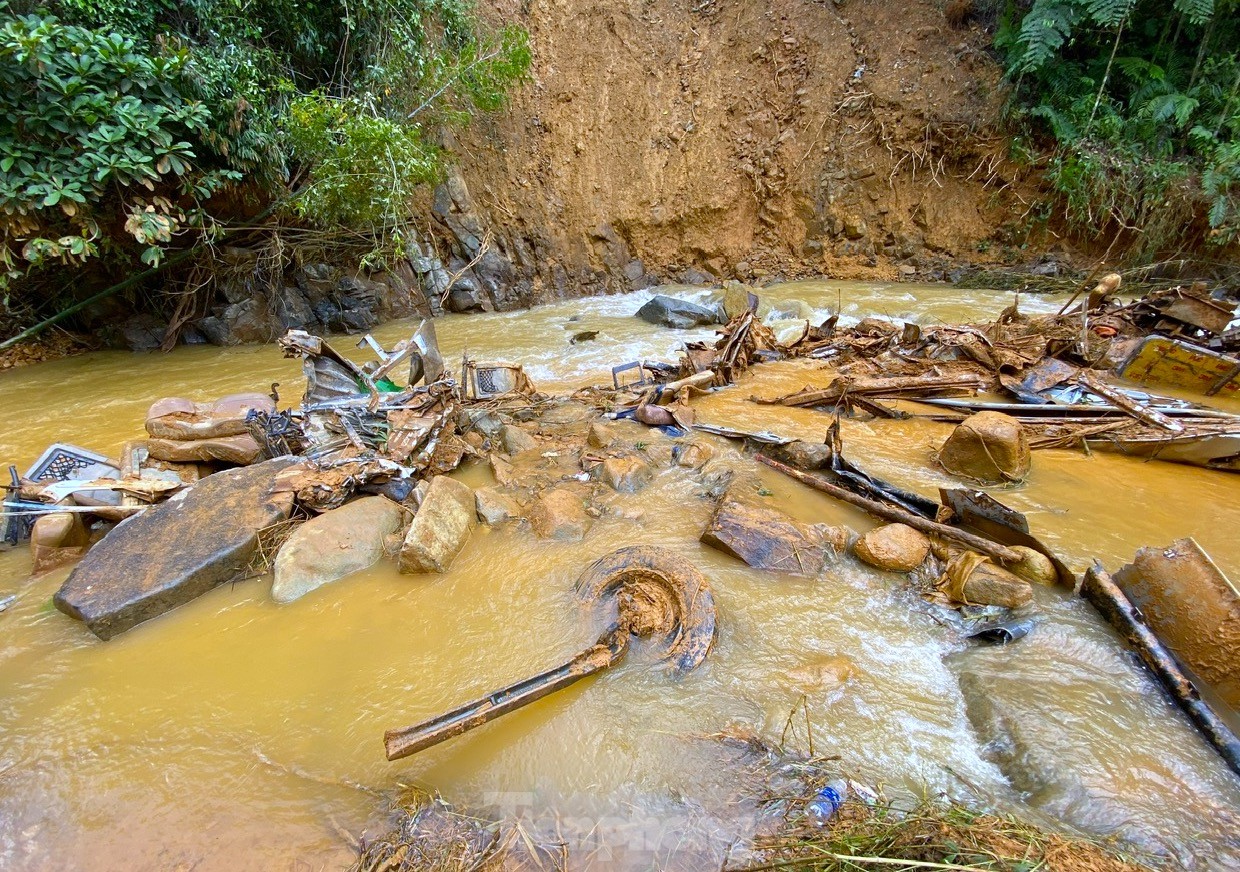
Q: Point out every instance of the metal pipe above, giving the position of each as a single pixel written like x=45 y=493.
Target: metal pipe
x=607 y=651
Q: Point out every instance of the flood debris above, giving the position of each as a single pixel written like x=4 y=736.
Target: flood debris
x=1193 y=608
x=766 y=538
x=176 y=550
x=640 y=593
x=1106 y=596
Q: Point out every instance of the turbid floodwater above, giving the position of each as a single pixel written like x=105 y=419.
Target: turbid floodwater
x=236 y=733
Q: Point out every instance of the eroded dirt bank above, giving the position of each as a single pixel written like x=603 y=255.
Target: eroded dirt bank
x=791 y=137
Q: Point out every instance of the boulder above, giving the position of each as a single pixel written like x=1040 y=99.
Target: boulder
x=737 y=299
x=559 y=514
x=625 y=474
x=176 y=550
x=803 y=455
x=241 y=450
x=57 y=539
x=681 y=314
x=495 y=507
x=766 y=538
x=180 y=419
x=988 y=447
x=333 y=545
x=441 y=527
x=515 y=440
x=893 y=547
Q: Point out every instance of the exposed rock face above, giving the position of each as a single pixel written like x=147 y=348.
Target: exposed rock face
x=681 y=314
x=767 y=539
x=57 y=539
x=333 y=545
x=893 y=547
x=176 y=550
x=988 y=447
x=441 y=527
x=559 y=514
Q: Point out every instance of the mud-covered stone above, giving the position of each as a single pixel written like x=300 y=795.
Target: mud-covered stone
x=988 y=447
x=176 y=550
x=495 y=507
x=334 y=544
x=180 y=419
x=681 y=314
x=57 y=539
x=893 y=547
x=693 y=454
x=625 y=474
x=440 y=529
x=241 y=450
x=765 y=538
x=559 y=514
x=515 y=440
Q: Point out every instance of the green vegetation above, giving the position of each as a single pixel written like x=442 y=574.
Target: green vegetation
x=135 y=126
x=1141 y=99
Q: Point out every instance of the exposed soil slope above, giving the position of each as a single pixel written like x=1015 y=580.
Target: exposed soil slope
x=741 y=140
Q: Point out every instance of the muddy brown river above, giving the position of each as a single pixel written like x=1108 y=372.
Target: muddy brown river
x=235 y=733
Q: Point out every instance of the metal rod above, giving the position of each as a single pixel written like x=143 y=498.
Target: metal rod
x=986 y=546
x=607 y=651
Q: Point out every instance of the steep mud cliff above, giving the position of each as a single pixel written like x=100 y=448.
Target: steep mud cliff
x=694 y=138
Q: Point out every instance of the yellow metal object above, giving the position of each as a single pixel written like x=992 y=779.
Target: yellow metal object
x=1161 y=361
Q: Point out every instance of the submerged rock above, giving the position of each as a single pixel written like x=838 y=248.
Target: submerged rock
x=681 y=314
x=988 y=447
x=559 y=514
x=175 y=551
x=625 y=474
x=768 y=539
x=893 y=547
x=332 y=545
x=440 y=529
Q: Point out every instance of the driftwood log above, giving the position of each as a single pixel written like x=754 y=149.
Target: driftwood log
x=1106 y=596
x=890 y=513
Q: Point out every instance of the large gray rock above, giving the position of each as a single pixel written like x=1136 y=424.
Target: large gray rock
x=332 y=545
x=441 y=527
x=671 y=312
x=176 y=550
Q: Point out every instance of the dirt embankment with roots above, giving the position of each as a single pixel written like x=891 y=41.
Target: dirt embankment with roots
x=660 y=140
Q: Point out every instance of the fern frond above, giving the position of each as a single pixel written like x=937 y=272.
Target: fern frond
x=1109 y=13
x=1196 y=11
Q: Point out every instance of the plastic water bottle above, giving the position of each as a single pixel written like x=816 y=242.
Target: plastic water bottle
x=829 y=799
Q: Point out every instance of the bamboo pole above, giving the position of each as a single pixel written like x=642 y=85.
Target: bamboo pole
x=990 y=548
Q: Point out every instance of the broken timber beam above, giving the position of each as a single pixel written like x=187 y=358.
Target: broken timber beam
x=890 y=513
x=1106 y=596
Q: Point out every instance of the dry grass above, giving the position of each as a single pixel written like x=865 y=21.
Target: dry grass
x=933 y=835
